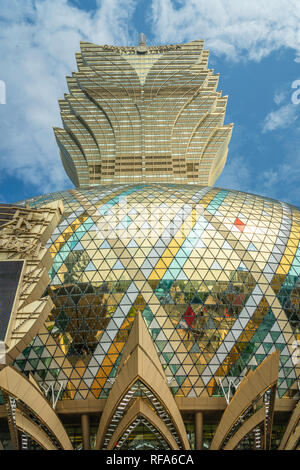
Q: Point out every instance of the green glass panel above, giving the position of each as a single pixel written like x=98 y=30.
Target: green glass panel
x=167 y=356
x=180 y=379
x=161 y=344
x=174 y=367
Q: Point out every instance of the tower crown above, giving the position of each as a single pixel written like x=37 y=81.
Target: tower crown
x=143 y=114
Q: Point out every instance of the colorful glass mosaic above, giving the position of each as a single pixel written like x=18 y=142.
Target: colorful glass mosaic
x=214 y=273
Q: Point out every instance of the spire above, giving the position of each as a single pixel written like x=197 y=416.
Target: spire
x=140 y=362
x=142 y=48
x=142 y=39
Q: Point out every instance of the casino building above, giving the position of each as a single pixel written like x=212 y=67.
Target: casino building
x=146 y=308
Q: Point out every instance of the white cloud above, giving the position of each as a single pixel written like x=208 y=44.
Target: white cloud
x=283 y=117
x=281 y=182
x=239 y=29
x=38 y=41
x=271 y=178
x=237 y=174
x=279 y=96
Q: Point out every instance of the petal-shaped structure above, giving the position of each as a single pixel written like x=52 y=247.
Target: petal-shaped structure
x=143 y=115
x=140 y=363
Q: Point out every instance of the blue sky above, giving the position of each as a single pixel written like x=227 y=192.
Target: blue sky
x=255 y=46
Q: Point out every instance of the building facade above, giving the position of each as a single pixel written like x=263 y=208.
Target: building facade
x=143 y=114
x=172 y=317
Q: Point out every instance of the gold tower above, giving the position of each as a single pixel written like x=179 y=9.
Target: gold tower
x=143 y=115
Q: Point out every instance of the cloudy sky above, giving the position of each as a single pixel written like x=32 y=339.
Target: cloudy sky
x=255 y=46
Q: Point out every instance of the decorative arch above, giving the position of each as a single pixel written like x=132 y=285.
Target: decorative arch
x=140 y=362
x=292 y=432
x=34 y=431
x=256 y=420
x=140 y=408
x=18 y=386
x=255 y=385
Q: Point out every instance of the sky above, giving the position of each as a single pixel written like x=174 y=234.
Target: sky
x=255 y=46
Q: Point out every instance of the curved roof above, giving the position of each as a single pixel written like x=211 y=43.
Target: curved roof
x=214 y=273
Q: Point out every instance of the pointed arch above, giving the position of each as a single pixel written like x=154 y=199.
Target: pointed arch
x=247 y=427
x=252 y=388
x=292 y=432
x=140 y=408
x=34 y=431
x=17 y=385
x=140 y=362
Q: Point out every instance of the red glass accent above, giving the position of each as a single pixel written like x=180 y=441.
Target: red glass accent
x=189 y=315
x=239 y=224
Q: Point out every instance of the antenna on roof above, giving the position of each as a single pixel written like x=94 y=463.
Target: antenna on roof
x=142 y=39
x=142 y=48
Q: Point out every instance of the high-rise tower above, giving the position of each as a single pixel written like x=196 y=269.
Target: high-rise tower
x=143 y=114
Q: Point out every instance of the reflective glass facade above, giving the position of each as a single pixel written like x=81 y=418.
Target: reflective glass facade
x=143 y=115
x=213 y=272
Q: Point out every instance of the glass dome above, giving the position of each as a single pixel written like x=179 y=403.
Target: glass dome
x=214 y=273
